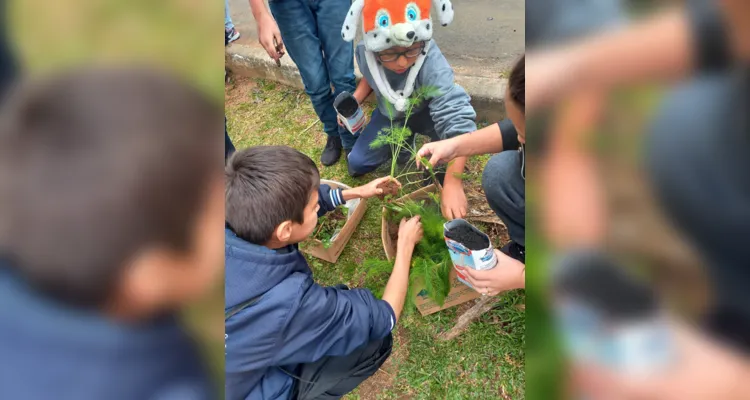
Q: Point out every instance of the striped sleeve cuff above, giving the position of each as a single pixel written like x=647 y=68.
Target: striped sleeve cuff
x=337 y=197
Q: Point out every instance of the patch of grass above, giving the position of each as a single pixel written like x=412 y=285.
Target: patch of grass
x=485 y=362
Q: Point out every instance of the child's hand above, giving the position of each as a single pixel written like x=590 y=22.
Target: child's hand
x=453 y=202
x=442 y=151
x=380 y=187
x=508 y=274
x=409 y=232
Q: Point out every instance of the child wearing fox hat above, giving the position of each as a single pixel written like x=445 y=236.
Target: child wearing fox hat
x=396 y=57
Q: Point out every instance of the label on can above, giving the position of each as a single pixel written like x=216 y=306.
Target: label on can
x=354 y=123
x=465 y=257
x=349 y=112
x=634 y=347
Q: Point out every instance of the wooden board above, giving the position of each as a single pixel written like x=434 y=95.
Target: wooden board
x=355 y=214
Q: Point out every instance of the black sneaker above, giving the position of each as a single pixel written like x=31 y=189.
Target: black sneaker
x=231 y=35
x=332 y=151
x=515 y=251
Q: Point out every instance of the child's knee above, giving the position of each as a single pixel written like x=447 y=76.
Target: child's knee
x=498 y=174
x=357 y=164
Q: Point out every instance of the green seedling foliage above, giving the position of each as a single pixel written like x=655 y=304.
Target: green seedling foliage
x=437 y=282
x=397 y=135
x=431 y=261
x=378 y=267
x=428 y=92
x=390 y=110
x=327 y=227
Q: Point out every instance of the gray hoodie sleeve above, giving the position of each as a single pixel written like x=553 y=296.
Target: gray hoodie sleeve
x=451 y=111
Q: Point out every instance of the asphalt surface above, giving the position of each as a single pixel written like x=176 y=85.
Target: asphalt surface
x=485 y=38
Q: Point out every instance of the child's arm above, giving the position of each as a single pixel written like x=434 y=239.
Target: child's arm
x=329 y=199
x=409 y=234
x=363 y=90
x=453 y=202
x=451 y=110
x=371 y=189
x=268 y=30
x=488 y=140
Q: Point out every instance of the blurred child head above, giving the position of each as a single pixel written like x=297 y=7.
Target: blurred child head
x=515 y=98
x=400 y=59
x=272 y=195
x=112 y=197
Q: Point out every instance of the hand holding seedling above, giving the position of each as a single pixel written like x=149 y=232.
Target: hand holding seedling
x=409 y=232
x=508 y=274
x=379 y=187
x=439 y=152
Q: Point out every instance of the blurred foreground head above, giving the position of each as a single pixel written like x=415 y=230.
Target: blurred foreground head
x=111 y=190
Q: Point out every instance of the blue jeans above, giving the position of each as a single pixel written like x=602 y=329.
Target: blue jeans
x=505 y=189
x=363 y=159
x=228 y=25
x=310 y=29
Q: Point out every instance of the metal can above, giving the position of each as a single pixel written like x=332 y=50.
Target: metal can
x=349 y=112
x=469 y=247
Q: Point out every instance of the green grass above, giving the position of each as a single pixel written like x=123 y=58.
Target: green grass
x=486 y=361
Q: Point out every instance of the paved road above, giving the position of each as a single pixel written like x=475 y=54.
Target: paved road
x=486 y=36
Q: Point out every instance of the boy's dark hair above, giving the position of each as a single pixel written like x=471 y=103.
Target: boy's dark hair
x=97 y=166
x=265 y=186
x=517 y=83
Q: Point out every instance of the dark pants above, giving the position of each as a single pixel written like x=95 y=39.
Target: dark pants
x=698 y=163
x=505 y=189
x=333 y=377
x=228 y=145
x=310 y=30
x=363 y=159
x=7 y=62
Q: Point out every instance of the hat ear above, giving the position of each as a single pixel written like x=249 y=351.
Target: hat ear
x=444 y=10
x=349 y=30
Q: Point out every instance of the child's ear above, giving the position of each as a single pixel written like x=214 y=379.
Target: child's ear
x=283 y=232
x=143 y=285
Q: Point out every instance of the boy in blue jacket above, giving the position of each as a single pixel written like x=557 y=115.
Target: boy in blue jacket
x=286 y=336
x=111 y=206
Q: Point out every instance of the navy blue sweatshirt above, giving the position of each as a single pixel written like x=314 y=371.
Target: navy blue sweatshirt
x=50 y=351
x=7 y=62
x=278 y=318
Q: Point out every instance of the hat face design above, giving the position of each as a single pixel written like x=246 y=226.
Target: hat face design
x=389 y=23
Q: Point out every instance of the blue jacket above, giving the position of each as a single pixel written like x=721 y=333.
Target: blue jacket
x=50 y=351
x=280 y=318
